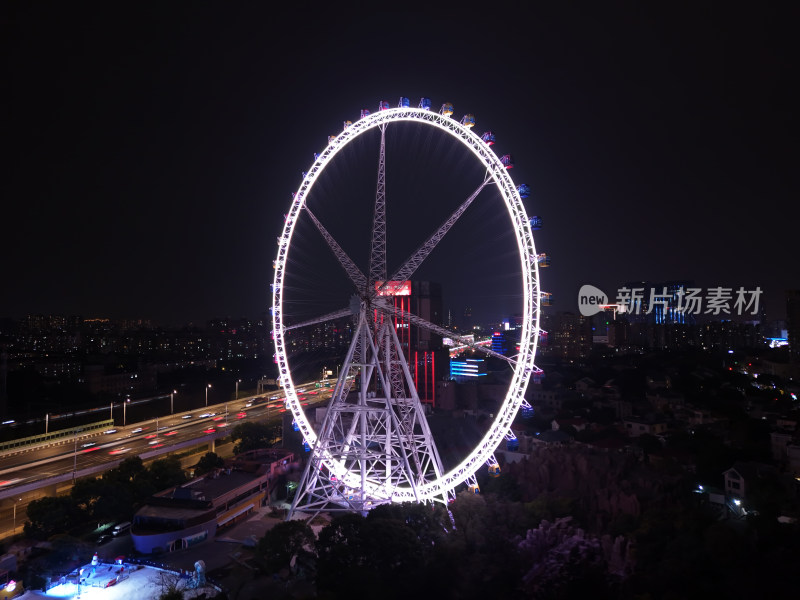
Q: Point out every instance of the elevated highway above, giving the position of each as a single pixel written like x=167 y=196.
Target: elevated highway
x=49 y=467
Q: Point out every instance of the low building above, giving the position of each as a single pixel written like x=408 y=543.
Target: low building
x=743 y=475
x=185 y=515
x=636 y=426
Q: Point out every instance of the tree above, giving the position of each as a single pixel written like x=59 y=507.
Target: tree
x=357 y=555
x=284 y=541
x=128 y=471
x=252 y=436
x=49 y=515
x=207 y=463
x=429 y=522
x=85 y=494
x=166 y=472
x=341 y=554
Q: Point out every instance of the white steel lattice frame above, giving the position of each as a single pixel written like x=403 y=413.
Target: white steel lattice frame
x=377 y=266
x=442 y=485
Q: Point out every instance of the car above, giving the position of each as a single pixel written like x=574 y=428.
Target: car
x=109 y=431
x=241 y=415
x=153 y=442
x=150 y=436
x=186 y=417
x=88 y=444
x=106 y=537
x=248 y=405
x=121 y=528
x=137 y=430
x=119 y=451
x=173 y=432
x=205 y=415
x=209 y=430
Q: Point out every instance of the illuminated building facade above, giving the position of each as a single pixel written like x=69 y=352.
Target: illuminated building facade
x=426 y=356
x=469 y=369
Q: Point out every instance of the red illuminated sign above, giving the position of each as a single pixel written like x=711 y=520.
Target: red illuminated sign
x=393 y=288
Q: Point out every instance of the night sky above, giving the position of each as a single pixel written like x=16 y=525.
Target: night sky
x=152 y=148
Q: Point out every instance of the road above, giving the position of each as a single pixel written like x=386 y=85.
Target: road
x=21 y=466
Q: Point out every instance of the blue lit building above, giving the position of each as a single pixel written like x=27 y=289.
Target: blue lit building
x=469 y=369
x=499 y=342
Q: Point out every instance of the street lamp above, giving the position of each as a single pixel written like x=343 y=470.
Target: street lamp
x=207 y=387
x=15 y=515
x=125 y=411
x=172 y=401
x=237 y=388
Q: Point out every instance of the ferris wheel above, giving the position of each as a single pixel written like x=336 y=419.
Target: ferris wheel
x=374 y=444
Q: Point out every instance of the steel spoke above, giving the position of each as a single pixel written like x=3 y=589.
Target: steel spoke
x=355 y=274
x=415 y=260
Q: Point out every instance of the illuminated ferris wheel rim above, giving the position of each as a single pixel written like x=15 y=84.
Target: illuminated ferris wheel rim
x=524 y=364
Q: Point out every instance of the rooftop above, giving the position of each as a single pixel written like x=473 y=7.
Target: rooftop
x=220 y=483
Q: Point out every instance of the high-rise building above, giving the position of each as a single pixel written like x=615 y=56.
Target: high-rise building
x=570 y=335
x=427 y=359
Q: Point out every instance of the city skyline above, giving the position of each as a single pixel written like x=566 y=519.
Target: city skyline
x=155 y=153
